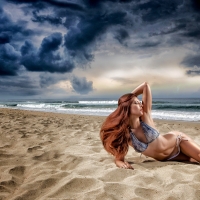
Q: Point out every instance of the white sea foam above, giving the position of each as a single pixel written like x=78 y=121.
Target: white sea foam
x=113 y=102
x=176 y=115
x=104 y=108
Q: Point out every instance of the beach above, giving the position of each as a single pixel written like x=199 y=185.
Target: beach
x=48 y=156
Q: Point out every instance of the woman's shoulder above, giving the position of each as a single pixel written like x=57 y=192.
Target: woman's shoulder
x=146 y=118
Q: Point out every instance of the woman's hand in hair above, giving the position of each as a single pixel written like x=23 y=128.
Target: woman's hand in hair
x=122 y=164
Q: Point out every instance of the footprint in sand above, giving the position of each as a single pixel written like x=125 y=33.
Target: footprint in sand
x=145 y=193
x=32 y=149
x=17 y=171
x=17 y=178
x=7 y=186
x=96 y=149
x=47 y=156
x=71 y=162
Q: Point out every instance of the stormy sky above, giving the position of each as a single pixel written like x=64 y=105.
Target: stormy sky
x=98 y=48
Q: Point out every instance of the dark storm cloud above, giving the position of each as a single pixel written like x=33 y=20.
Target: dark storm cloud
x=14 y=31
x=10 y=32
x=156 y=10
x=196 y=5
x=9 y=60
x=19 y=86
x=23 y=82
x=121 y=35
x=193 y=32
x=79 y=39
x=191 y=61
x=47 y=57
x=59 y=4
x=176 y=26
x=49 y=79
x=192 y=65
x=148 y=44
x=81 y=85
x=193 y=72
x=46 y=18
x=4 y=38
x=84 y=29
x=88 y=20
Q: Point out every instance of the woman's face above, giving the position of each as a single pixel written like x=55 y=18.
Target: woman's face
x=136 y=107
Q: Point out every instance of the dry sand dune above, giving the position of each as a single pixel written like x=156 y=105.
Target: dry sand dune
x=48 y=156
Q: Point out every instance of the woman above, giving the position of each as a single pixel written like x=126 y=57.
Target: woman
x=132 y=124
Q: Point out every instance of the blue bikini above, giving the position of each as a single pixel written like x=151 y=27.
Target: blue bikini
x=150 y=133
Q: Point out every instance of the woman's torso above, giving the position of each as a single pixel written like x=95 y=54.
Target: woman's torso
x=161 y=147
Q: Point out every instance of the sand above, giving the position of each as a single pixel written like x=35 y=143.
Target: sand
x=48 y=156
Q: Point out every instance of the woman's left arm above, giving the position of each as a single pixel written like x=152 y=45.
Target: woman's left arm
x=145 y=90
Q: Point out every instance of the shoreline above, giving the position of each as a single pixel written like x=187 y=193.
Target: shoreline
x=63 y=113
x=49 y=156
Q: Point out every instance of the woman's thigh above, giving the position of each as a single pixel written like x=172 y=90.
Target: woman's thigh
x=190 y=149
x=181 y=157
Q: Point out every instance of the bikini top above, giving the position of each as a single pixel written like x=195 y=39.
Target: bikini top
x=150 y=133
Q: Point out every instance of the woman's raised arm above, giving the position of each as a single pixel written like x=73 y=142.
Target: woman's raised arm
x=145 y=90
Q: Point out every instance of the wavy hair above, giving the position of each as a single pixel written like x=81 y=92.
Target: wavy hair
x=114 y=132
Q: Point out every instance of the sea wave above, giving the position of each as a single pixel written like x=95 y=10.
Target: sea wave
x=174 y=110
x=189 y=107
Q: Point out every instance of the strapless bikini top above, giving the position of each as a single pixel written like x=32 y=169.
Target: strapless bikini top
x=150 y=133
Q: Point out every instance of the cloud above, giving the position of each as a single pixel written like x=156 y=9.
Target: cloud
x=124 y=81
x=148 y=44
x=15 y=31
x=54 y=20
x=121 y=35
x=47 y=79
x=59 y=4
x=196 y=5
x=81 y=85
x=4 y=38
x=53 y=37
x=191 y=61
x=120 y=17
x=9 y=60
x=79 y=39
x=47 y=58
x=175 y=27
x=192 y=64
x=156 y=10
x=192 y=32
x=193 y=72
x=19 y=86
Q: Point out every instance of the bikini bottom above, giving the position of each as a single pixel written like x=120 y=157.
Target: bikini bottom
x=178 y=141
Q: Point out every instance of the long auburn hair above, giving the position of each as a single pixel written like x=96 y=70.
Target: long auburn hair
x=114 y=132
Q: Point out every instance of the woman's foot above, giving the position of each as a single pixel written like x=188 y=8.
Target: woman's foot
x=193 y=160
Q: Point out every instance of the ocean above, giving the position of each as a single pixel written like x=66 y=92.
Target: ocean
x=187 y=109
